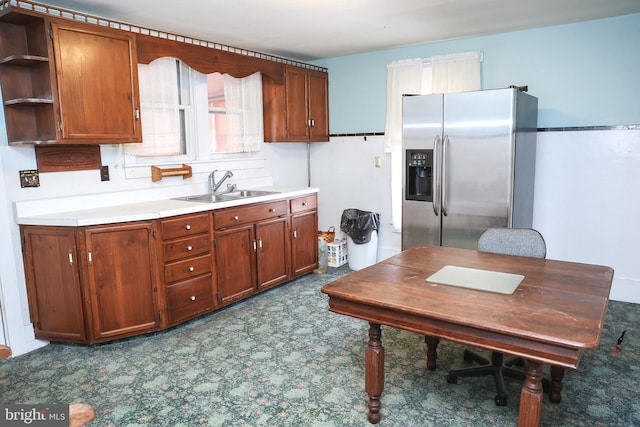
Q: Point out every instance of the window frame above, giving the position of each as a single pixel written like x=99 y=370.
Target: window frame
x=196 y=135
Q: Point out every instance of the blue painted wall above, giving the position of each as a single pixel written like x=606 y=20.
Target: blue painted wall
x=585 y=74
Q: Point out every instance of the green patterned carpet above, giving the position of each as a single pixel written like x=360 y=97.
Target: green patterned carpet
x=282 y=359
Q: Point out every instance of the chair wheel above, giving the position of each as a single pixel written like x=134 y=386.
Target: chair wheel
x=501 y=400
x=452 y=378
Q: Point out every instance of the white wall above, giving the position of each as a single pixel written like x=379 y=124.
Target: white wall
x=344 y=171
x=586 y=202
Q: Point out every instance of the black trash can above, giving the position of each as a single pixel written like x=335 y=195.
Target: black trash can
x=361 y=228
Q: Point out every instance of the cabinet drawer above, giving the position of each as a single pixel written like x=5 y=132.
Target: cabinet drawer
x=183 y=248
x=185 y=226
x=235 y=216
x=188 y=268
x=305 y=203
x=189 y=298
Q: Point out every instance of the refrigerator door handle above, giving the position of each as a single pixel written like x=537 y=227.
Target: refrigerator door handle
x=443 y=183
x=435 y=184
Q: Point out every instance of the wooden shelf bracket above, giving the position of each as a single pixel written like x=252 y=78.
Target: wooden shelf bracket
x=157 y=174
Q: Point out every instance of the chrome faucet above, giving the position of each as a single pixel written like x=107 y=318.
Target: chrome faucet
x=213 y=187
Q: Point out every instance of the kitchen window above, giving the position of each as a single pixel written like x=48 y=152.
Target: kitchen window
x=189 y=116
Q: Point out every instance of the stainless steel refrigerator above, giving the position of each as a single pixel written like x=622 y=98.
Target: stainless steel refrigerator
x=469 y=164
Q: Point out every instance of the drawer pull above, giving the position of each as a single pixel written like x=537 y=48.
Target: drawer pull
x=187 y=227
x=191 y=269
x=305 y=203
x=236 y=218
x=272 y=210
x=193 y=298
x=189 y=248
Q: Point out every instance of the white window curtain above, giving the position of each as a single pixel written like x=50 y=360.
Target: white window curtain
x=403 y=77
x=458 y=72
x=243 y=102
x=164 y=100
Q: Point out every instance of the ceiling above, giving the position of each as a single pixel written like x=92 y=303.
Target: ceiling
x=312 y=29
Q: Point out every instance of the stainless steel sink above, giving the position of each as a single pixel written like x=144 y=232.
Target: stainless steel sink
x=224 y=197
x=208 y=198
x=250 y=193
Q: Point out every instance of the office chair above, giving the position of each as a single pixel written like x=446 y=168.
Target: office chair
x=510 y=241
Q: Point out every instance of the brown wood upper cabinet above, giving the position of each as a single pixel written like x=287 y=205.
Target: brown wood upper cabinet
x=97 y=82
x=65 y=82
x=298 y=110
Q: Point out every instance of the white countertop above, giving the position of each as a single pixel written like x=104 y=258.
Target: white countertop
x=26 y=212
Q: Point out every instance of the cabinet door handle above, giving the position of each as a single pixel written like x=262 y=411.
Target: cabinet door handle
x=187 y=227
x=295 y=233
x=191 y=269
x=313 y=123
x=189 y=248
x=90 y=258
x=70 y=258
x=255 y=249
x=260 y=244
x=137 y=114
x=235 y=218
x=193 y=298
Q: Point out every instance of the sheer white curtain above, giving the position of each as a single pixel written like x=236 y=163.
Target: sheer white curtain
x=163 y=101
x=243 y=103
x=403 y=77
x=458 y=72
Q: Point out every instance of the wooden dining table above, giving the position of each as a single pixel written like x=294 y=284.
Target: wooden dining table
x=552 y=317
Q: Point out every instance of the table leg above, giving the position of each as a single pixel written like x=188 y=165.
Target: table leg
x=432 y=353
x=555 y=387
x=531 y=396
x=374 y=371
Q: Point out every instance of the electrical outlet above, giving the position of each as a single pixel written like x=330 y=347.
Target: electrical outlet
x=104 y=173
x=29 y=178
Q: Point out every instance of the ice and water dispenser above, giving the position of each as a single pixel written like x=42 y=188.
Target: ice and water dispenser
x=419 y=175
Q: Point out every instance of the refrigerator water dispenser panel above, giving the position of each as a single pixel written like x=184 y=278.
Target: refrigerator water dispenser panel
x=418 y=169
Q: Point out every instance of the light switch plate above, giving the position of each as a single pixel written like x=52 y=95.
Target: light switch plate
x=29 y=178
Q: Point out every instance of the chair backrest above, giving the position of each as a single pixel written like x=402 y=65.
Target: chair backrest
x=513 y=241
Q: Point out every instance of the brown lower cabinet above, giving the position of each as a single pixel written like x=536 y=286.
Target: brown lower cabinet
x=100 y=283
x=187 y=266
x=252 y=249
x=52 y=273
x=91 y=284
x=304 y=234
